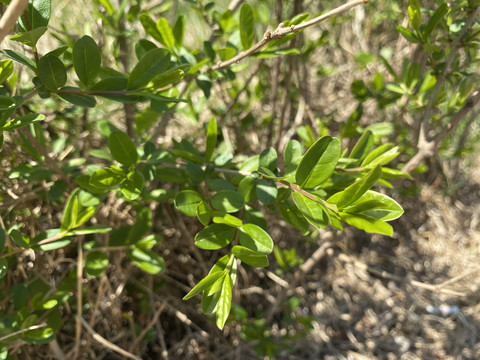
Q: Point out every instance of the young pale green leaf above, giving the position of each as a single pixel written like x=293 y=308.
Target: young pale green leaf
x=318 y=162
x=20 y=58
x=377 y=206
x=268 y=54
x=268 y=159
x=147 y=260
x=83 y=100
x=163 y=27
x=414 y=14
x=357 y=189
x=96 y=263
x=179 y=31
x=215 y=236
x=95 y=229
x=384 y=157
x=151 y=65
x=85 y=215
x=227 y=219
x=246 y=26
x=30 y=38
x=257 y=240
x=367 y=223
x=292 y=156
x=167 y=78
x=204 y=213
x=187 y=201
x=204 y=284
x=227 y=200
x=122 y=148
x=70 y=213
x=224 y=303
x=435 y=19
x=266 y=191
x=373 y=155
x=51 y=72
x=362 y=147
x=86 y=59
x=6 y=69
x=211 y=139
x=250 y=257
x=217 y=285
x=312 y=210
x=22 y=121
x=20 y=239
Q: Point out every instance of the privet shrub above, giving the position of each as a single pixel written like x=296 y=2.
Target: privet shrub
x=70 y=167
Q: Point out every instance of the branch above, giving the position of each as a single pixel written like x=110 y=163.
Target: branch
x=282 y=31
x=9 y=18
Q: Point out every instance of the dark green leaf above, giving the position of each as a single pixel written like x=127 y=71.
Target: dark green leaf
x=318 y=162
x=151 y=65
x=113 y=88
x=133 y=186
x=362 y=147
x=187 y=202
x=357 y=189
x=86 y=59
x=257 y=240
x=266 y=191
x=246 y=26
x=179 y=30
x=20 y=239
x=268 y=159
x=407 y=34
x=150 y=27
x=142 y=47
x=51 y=72
x=250 y=257
x=22 y=59
x=3 y=267
x=83 y=100
x=2 y=239
x=215 y=236
x=122 y=148
x=248 y=189
x=292 y=216
x=435 y=19
x=95 y=264
x=31 y=37
x=227 y=200
x=219 y=184
x=211 y=139
x=292 y=156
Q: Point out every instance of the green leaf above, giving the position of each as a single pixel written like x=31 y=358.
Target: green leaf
x=95 y=229
x=367 y=223
x=70 y=213
x=39 y=12
x=227 y=219
x=107 y=87
x=224 y=303
x=23 y=121
x=106 y=178
x=3 y=267
x=267 y=54
x=293 y=216
x=150 y=27
x=154 y=63
x=211 y=139
x=248 y=189
x=227 y=200
x=133 y=186
x=179 y=31
x=22 y=59
x=142 y=47
x=435 y=19
x=362 y=147
x=246 y=26
x=6 y=69
x=95 y=264
x=292 y=156
x=357 y=189
x=83 y=100
x=51 y=72
x=376 y=205
x=20 y=239
x=122 y=148
x=86 y=59
x=30 y=38
x=312 y=210
x=215 y=236
x=2 y=239
x=266 y=191
x=166 y=32
x=414 y=14
x=167 y=78
x=187 y=201
x=318 y=162
x=250 y=257
x=204 y=284
x=407 y=34
x=268 y=159
x=257 y=240
x=147 y=260
x=204 y=213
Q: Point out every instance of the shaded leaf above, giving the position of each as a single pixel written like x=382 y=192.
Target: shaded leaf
x=86 y=59
x=51 y=72
x=215 y=236
x=122 y=148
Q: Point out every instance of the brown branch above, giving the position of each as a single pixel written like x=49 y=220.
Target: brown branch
x=9 y=18
x=282 y=31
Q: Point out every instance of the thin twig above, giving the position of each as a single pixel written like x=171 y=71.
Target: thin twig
x=78 y=318
x=101 y=340
x=15 y=333
x=142 y=334
x=282 y=31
